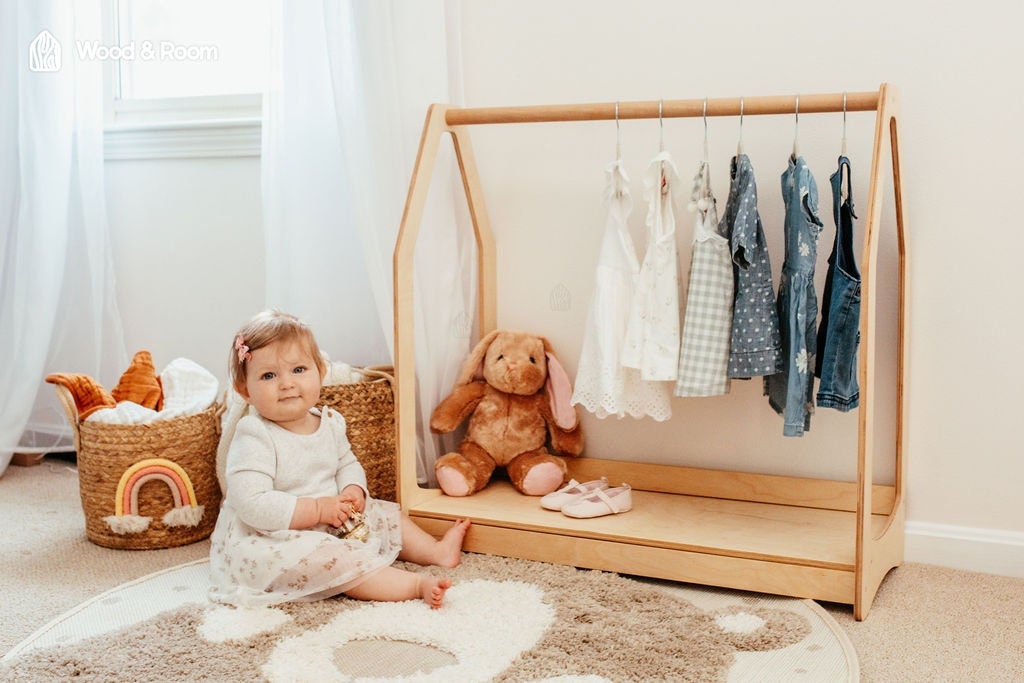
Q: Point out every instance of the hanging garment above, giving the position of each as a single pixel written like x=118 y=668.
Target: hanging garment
x=790 y=392
x=756 y=345
x=603 y=385
x=652 y=333
x=707 y=325
x=839 y=332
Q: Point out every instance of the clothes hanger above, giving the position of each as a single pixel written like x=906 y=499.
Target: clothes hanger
x=796 y=130
x=844 y=188
x=661 y=127
x=661 y=146
x=707 y=153
x=702 y=203
x=739 y=143
x=618 y=134
x=844 y=125
x=618 y=147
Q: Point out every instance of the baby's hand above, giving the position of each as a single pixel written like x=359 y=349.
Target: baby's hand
x=354 y=494
x=332 y=510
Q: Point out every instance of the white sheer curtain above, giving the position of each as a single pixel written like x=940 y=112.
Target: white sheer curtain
x=57 y=305
x=349 y=92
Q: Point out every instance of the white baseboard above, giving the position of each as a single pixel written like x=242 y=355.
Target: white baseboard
x=982 y=550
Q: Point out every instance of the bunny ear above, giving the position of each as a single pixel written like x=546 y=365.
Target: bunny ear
x=472 y=367
x=559 y=393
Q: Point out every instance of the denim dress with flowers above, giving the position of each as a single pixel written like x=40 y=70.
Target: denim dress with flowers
x=791 y=391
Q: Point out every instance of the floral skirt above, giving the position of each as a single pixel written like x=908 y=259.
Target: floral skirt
x=252 y=568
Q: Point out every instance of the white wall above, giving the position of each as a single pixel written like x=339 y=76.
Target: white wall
x=188 y=253
x=956 y=67
x=189 y=250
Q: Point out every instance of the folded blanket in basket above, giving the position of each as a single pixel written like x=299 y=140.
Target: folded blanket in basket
x=188 y=388
x=183 y=388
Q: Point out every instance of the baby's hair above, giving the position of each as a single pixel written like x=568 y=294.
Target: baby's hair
x=266 y=328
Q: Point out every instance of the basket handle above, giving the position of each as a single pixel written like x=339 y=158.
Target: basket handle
x=218 y=413
x=378 y=372
x=68 y=402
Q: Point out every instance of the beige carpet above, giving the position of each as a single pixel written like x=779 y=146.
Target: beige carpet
x=931 y=623
x=928 y=623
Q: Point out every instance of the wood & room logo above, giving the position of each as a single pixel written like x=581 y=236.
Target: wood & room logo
x=44 y=53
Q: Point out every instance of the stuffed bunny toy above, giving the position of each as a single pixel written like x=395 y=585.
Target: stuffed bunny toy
x=515 y=393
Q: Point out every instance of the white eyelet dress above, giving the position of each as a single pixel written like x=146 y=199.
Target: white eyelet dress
x=652 y=333
x=707 y=326
x=603 y=386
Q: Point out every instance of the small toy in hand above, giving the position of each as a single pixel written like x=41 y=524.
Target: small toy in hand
x=353 y=528
x=515 y=393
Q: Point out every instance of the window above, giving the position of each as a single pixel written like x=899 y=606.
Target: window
x=185 y=77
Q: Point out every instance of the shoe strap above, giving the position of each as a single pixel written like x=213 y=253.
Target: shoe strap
x=572 y=483
x=606 y=499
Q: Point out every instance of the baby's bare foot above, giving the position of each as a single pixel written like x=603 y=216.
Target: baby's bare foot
x=449 y=548
x=433 y=590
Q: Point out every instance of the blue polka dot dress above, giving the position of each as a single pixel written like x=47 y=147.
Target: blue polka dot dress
x=756 y=347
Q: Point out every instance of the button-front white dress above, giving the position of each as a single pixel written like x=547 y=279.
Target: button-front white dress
x=652 y=332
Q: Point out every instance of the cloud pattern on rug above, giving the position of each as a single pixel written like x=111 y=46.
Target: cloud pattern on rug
x=504 y=620
x=484 y=625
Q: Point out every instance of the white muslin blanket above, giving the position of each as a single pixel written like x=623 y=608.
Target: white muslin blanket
x=188 y=388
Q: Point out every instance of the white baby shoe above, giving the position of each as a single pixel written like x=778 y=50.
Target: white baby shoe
x=603 y=501
x=570 y=492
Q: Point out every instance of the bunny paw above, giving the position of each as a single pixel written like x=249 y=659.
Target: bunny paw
x=452 y=482
x=542 y=479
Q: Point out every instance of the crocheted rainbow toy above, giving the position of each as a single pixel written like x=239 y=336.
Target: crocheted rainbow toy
x=126 y=518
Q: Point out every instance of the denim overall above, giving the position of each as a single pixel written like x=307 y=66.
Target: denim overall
x=839 y=333
x=791 y=391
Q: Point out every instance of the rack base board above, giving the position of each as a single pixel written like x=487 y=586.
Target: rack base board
x=806 y=552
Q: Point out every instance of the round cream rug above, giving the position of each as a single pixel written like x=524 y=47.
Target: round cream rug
x=504 y=619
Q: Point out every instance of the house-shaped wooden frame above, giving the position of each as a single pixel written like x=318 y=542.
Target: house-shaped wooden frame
x=814 y=538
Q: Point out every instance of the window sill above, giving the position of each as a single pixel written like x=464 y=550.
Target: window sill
x=184 y=139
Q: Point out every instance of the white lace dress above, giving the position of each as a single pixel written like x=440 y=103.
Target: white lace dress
x=603 y=386
x=707 y=325
x=652 y=332
x=255 y=559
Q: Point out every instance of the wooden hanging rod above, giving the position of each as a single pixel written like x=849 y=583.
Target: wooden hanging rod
x=605 y=111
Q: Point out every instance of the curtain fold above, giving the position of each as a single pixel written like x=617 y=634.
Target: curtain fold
x=58 y=310
x=350 y=86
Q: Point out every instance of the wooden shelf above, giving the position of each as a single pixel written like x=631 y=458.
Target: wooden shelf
x=761 y=531
x=768 y=547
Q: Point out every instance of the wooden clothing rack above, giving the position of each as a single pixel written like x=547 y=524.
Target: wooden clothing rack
x=813 y=538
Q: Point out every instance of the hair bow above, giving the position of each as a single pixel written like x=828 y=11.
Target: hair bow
x=243 y=350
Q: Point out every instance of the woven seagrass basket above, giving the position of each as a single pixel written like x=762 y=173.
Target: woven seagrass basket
x=369 y=411
x=147 y=486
